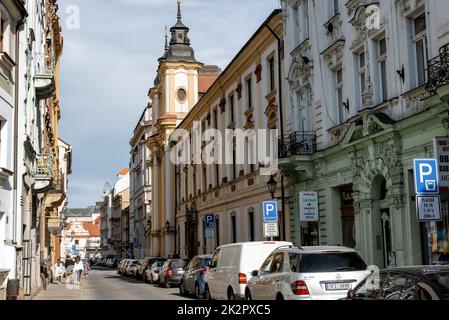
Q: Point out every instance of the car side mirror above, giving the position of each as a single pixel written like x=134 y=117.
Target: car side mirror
x=255 y=273
x=350 y=295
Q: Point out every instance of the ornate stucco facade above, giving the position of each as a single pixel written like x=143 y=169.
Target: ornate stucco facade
x=360 y=92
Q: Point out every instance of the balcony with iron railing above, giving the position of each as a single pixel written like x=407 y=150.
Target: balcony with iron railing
x=438 y=74
x=43 y=172
x=44 y=78
x=297 y=144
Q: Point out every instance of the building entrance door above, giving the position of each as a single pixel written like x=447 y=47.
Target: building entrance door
x=386 y=236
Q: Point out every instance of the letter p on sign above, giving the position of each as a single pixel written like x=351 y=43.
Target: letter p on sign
x=426 y=176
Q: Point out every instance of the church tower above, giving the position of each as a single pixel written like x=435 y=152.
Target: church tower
x=174 y=94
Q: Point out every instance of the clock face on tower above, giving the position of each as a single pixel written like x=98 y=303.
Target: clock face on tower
x=180 y=37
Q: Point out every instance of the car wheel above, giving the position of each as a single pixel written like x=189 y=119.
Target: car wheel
x=182 y=290
x=197 y=291
x=279 y=297
x=231 y=295
x=248 y=295
x=207 y=295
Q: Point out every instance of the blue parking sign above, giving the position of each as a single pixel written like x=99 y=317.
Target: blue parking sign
x=426 y=176
x=210 y=221
x=270 y=211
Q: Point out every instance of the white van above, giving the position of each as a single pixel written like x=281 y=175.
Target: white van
x=231 y=266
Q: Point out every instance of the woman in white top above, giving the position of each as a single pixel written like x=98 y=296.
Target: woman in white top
x=59 y=271
x=78 y=268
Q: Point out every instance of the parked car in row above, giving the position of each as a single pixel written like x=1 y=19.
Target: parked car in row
x=143 y=266
x=405 y=283
x=151 y=275
x=231 y=267
x=307 y=273
x=194 y=278
x=171 y=273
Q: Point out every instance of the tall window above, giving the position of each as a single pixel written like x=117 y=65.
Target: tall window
x=217 y=175
x=419 y=41
x=217 y=230
x=233 y=228
x=362 y=72
x=234 y=165
x=231 y=108
x=339 y=94
x=306 y=19
x=271 y=71
x=215 y=119
x=204 y=178
x=382 y=65
x=296 y=16
x=335 y=7
x=249 y=93
x=251 y=224
x=194 y=181
x=2 y=32
x=186 y=184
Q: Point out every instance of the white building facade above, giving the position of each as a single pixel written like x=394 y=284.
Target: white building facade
x=356 y=78
x=140 y=185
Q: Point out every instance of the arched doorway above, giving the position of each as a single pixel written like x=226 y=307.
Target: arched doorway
x=381 y=223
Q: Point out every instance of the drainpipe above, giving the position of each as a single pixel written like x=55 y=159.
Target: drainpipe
x=279 y=41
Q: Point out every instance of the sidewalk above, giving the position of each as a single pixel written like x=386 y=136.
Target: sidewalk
x=62 y=291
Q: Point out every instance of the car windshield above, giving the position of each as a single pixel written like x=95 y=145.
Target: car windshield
x=159 y=264
x=441 y=280
x=178 y=263
x=331 y=262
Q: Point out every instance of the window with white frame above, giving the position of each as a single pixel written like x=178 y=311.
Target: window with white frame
x=338 y=78
x=231 y=109
x=361 y=73
x=305 y=28
x=335 y=7
x=382 y=68
x=419 y=41
x=194 y=181
x=2 y=33
x=204 y=178
x=249 y=93
x=271 y=73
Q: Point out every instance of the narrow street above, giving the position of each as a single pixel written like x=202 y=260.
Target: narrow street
x=106 y=284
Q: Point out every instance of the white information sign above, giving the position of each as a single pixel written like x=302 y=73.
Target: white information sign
x=428 y=208
x=271 y=230
x=441 y=149
x=308 y=206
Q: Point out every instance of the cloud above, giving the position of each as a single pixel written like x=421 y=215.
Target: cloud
x=109 y=64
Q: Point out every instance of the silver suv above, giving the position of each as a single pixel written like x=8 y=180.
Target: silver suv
x=307 y=273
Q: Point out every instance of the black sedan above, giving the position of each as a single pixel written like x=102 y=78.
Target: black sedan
x=404 y=283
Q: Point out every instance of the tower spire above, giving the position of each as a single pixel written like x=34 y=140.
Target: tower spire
x=179 y=10
x=166 y=39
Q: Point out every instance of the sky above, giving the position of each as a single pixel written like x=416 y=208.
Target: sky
x=109 y=63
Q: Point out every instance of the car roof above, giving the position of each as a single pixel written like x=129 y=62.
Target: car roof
x=316 y=249
x=255 y=243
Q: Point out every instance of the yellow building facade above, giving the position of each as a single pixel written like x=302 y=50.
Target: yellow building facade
x=247 y=95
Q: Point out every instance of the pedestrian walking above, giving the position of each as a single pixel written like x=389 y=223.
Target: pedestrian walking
x=58 y=271
x=78 y=268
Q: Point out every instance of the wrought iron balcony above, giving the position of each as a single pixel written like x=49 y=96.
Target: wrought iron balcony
x=45 y=72
x=438 y=70
x=297 y=143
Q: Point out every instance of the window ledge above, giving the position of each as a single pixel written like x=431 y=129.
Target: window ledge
x=6 y=61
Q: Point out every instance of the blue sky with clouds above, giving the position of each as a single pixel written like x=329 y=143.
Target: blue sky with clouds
x=109 y=64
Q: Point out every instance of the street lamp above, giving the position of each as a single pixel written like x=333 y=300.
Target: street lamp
x=272 y=186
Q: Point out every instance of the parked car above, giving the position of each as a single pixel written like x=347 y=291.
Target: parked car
x=131 y=268
x=231 y=266
x=124 y=265
x=144 y=264
x=152 y=273
x=119 y=266
x=194 y=278
x=307 y=273
x=404 y=283
x=171 y=272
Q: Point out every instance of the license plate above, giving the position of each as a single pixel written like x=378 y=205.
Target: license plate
x=338 y=286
